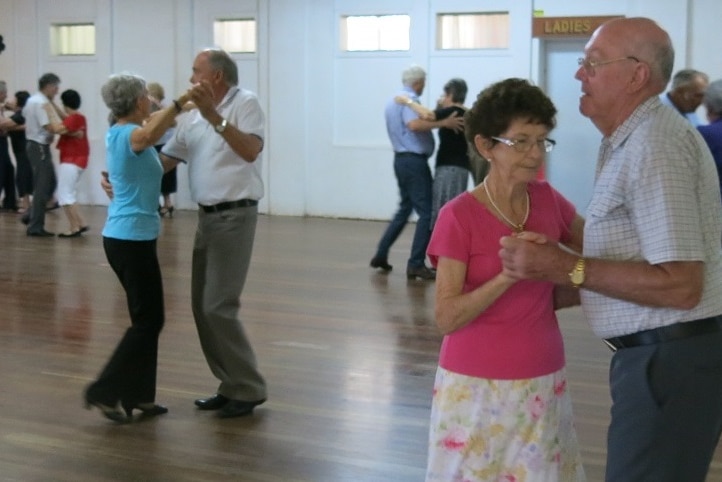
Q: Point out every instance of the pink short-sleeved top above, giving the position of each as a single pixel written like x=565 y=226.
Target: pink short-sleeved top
x=517 y=336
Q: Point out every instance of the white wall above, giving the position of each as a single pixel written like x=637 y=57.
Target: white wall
x=326 y=151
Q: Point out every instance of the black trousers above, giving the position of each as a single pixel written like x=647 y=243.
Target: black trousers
x=7 y=176
x=130 y=374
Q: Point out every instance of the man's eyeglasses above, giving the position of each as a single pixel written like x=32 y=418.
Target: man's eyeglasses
x=525 y=145
x=590 y=65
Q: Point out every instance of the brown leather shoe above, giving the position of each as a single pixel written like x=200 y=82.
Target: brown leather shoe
x=422 y=272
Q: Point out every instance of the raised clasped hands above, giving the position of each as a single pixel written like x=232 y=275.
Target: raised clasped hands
x=201 y=94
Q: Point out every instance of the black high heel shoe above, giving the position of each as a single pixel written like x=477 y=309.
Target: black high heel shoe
x=147 y=409
x=108 y=412
x=166 y=210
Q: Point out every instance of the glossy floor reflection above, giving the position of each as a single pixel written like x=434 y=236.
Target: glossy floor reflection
x=349 y=355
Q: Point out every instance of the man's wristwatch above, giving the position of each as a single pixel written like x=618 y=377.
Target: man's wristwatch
x=576 y=275
x=221 y=127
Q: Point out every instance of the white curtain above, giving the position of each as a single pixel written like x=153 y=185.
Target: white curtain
x=474 y=31
x=72 y=39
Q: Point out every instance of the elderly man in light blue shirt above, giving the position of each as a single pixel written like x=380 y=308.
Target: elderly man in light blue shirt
x=413 y=144
x=687 y=93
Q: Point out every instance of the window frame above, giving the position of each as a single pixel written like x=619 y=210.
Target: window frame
x=241 y=18
x=437 y=37
x=53 y=25
x=341 y=17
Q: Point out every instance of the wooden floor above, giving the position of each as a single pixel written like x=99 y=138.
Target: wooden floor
x=349 y=356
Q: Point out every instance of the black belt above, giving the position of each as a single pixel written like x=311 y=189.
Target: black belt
x=225 y=206
x=676 y=331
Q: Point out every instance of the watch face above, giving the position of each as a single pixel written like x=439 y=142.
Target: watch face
x=577 y=277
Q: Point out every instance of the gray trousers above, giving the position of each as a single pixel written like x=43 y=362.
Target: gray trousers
x=44 y=183
x=666 y=410
x=221 y=257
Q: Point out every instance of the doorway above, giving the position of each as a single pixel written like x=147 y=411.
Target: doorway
x=570 y=167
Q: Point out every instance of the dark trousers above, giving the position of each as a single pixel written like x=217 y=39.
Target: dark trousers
x=666 y=410
x=7 y=176
x=24 y=175
x=44 y=183
x=414 y=179
x=130 y=374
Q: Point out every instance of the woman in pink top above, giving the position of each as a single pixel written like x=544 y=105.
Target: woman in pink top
x=501 y=409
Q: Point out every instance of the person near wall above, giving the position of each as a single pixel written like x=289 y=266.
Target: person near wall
x=221 y=139
x=7 y=170
x=169 y=182
x=686 y=93
x=712 y=133
x=451 y=173
x=41 y=125
x=413 y=143
x=130 y=243
x=650 y=277
x=501 y=408
x=16 y=133
x=74 y=152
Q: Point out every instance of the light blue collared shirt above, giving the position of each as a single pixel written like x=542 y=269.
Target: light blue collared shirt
x=692 y=117
x=402 y=138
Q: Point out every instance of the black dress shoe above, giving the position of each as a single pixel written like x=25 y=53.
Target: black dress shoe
x=238 y=408
x=84 y=229
x=422 y=272
x=380 y=263
x=212 y=403
x=74 y=234
x=41 y=234
x=147 y=410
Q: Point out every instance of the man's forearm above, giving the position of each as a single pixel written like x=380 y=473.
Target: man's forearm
x=421 y=125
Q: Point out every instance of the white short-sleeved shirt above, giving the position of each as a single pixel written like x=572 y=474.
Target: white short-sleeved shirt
x=35 y=118
x=656 y=198
x=216 y=173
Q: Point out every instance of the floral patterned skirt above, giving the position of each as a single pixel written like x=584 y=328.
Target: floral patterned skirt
x=502 y=430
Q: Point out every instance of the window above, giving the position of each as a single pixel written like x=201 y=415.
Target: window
x=235 y=35
x=375 y=32
x=472 y=30
x=72 y=39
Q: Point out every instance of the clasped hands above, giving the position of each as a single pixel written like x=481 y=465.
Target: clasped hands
x=529 y=255
x=200 y=96
x=203 y=97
